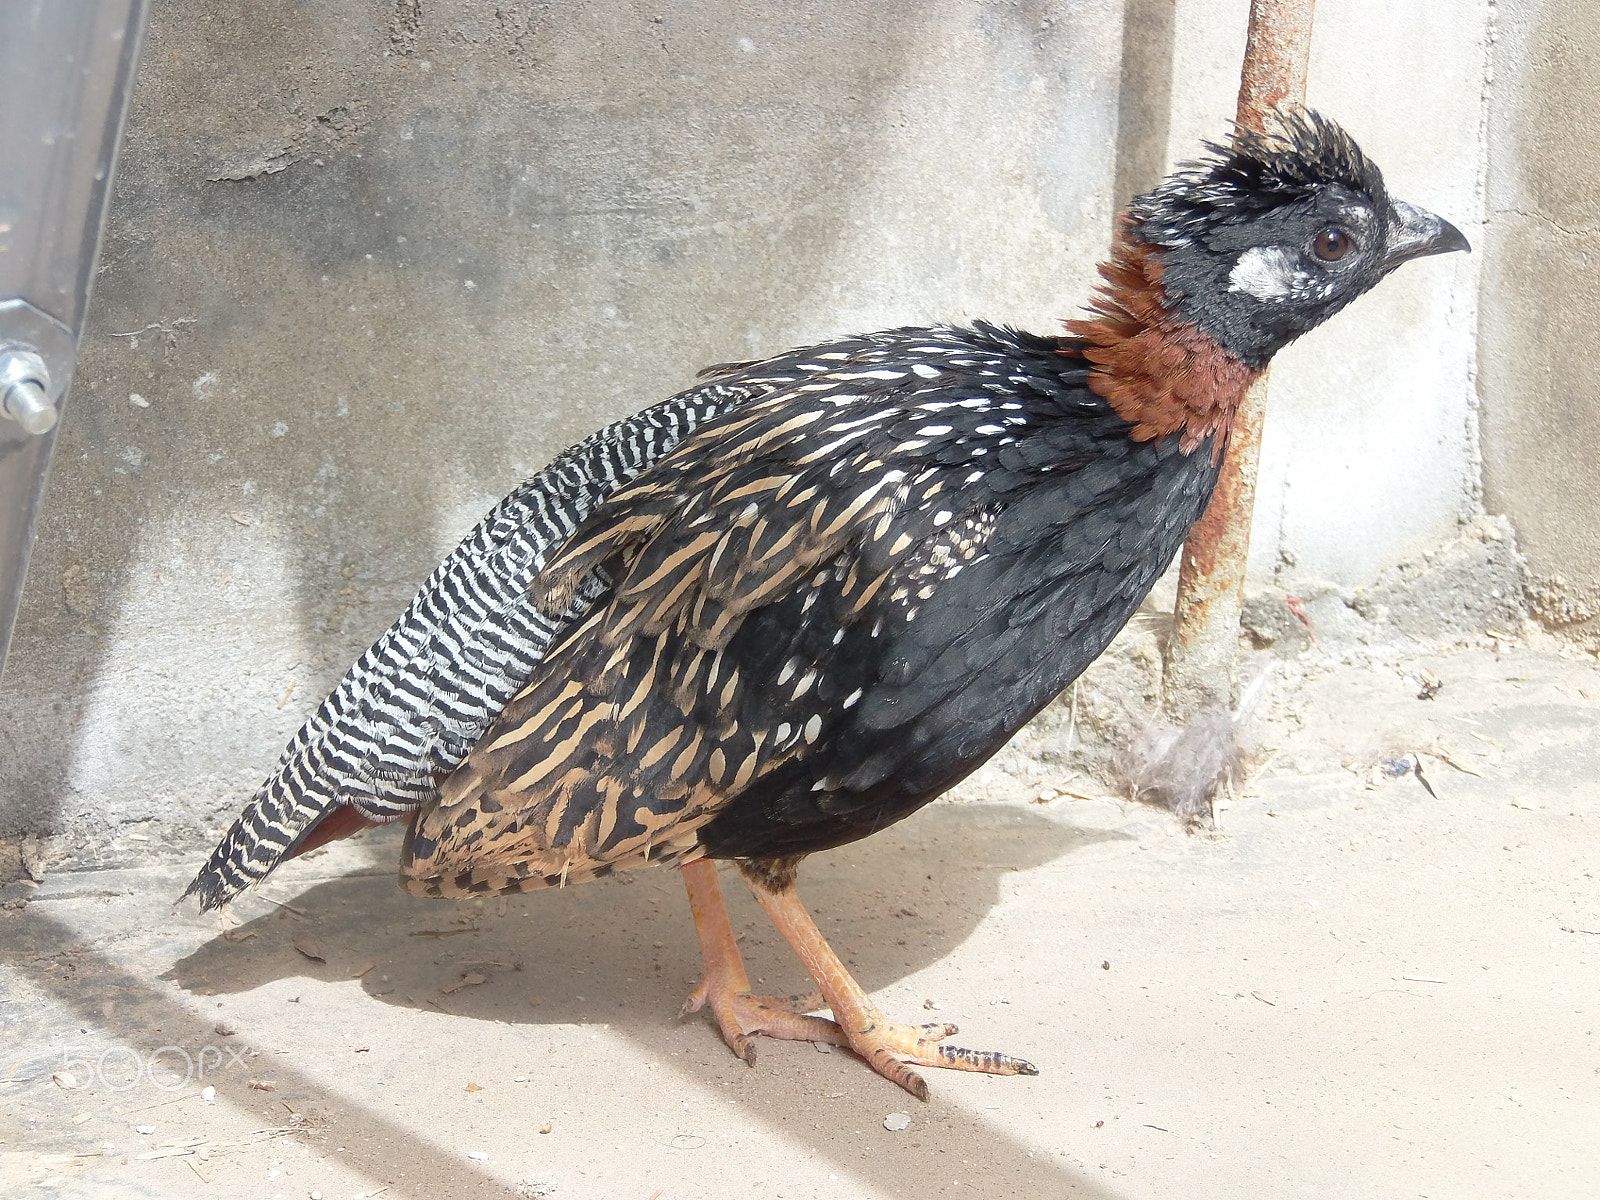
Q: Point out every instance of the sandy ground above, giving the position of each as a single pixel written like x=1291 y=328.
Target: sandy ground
x=1351 y=988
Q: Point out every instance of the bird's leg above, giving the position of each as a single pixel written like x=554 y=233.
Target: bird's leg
x=891 y=1050
x=726 y=987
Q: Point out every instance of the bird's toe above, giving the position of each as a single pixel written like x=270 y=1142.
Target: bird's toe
x=740 y=1016
x=893 y=1050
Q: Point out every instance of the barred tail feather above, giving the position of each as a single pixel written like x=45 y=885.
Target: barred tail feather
x=262 y=837
x=416 y=702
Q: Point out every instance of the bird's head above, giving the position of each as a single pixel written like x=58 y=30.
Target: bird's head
x=1264 y=238
x=1230 y=260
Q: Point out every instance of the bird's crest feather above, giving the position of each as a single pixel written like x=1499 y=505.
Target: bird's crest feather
x=1297 y=153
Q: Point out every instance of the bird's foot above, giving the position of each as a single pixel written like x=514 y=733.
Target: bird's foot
x=725 y=987
x=740 y=1016
x=890 y=1050
x=893 y=1050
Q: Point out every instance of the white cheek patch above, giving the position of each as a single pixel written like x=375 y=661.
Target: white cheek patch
x=1267 y=273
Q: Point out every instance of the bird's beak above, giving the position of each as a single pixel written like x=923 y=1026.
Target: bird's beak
x=1416 y=232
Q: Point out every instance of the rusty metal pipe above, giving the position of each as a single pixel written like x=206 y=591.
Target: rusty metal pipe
x=1277 y=52
x=1202 y=650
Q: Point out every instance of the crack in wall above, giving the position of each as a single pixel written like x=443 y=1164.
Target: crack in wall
x=329 y=131
x=1545 y=219
x=405 y=27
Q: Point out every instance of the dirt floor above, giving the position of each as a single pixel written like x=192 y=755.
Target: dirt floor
x=1353 y=986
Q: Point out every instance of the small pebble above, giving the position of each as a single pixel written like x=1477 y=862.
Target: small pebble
x=895 y=1122
x=225 y=1029
x=478 y=1155
x=145 y=1130
x=545 y=1128
x=208 y=1093
x=137 y=400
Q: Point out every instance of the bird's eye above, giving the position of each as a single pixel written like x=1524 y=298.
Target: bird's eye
x=1332 y=245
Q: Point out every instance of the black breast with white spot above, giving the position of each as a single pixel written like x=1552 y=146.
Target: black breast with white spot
x=1027 y=528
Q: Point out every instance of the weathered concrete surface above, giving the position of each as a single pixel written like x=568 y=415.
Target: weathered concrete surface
x=1471 y=586
x=1538 y=375
x=1352 y=989
x=371 y=263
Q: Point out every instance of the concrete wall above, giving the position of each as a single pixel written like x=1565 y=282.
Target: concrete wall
x=371 y=263
x=1540 y=373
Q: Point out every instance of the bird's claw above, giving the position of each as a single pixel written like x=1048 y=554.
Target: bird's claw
x=694 y=1001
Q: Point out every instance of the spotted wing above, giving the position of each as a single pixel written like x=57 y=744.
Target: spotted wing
x=667 y=699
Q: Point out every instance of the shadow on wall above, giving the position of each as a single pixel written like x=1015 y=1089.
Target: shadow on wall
x=1144 y=99
x=1539 y=298
x=361 y=276
x=611 y=943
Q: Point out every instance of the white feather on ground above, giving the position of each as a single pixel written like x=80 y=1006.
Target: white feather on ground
x=1182 y=768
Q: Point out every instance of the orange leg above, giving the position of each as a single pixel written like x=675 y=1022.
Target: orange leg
x=726 y=987
x=891 y=1050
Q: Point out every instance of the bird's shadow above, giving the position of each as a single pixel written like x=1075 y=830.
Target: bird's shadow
x=622 y=951
x=589 y=955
